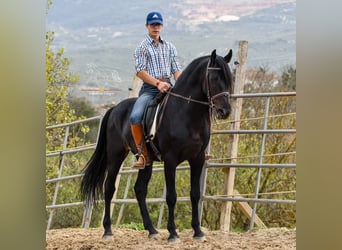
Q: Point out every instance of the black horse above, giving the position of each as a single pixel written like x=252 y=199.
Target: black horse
x=201 y=92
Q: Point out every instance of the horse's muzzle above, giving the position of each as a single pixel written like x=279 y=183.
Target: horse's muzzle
x=221 y=113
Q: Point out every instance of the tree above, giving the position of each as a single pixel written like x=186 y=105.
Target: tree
x=288 y=79
x=58 y=80
x=83 y=107
x=59 y=111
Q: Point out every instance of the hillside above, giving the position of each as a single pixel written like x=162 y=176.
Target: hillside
x=99 y=37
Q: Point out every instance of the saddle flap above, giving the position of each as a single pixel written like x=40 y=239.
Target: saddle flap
x=150 y=117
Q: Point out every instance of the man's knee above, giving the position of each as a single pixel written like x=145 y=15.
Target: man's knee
x=135 y=119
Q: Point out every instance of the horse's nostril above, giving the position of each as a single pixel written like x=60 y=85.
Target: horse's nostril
x=222 y=113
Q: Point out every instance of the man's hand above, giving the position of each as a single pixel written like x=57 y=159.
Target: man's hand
x=163 y=86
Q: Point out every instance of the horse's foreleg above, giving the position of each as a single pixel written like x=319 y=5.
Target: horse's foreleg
x=140 y=189
x=196 y=170
x=171 y=199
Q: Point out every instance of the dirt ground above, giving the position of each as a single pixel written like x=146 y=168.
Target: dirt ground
x=85 y=239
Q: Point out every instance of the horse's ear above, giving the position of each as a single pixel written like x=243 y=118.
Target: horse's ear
x=213 y=56
x=228 y=57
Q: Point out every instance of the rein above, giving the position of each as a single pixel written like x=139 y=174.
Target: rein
x=189 y=99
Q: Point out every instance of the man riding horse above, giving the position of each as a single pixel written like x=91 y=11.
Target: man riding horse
x=156 y=62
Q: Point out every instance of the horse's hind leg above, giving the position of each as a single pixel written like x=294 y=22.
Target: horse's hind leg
x=140 y=189
x=171 y=198
x=196 y=170
x=113 y=167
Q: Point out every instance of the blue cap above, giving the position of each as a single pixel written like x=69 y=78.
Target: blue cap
x=154 y=17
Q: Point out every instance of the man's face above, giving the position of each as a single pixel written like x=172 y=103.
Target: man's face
x=154 y=29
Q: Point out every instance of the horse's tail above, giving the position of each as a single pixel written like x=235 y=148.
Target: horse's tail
x=95 y=170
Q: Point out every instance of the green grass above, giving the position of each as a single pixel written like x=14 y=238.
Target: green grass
x=133 y=225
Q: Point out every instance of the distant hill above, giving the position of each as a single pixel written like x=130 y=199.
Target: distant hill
x=100 y=36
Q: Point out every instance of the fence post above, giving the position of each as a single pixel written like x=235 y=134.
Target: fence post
x=60 y=170
x=88 y=210
x=261 y=152
x=233 y=142
x=136 y=85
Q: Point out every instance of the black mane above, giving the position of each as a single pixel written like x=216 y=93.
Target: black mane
x=199 y=65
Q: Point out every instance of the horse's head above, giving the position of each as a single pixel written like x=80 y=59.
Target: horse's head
x=218 y=84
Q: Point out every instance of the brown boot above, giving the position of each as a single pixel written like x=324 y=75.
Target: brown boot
x=143 y=159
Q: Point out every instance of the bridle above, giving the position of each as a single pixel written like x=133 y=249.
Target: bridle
x=211 y=99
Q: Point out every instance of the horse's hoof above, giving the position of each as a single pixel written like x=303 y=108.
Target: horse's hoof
x=174 y=240
x=153 y=236
x=200 y=238
x=107 y=237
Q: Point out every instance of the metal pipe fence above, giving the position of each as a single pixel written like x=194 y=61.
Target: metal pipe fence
x=61 y=153
x=208 y=165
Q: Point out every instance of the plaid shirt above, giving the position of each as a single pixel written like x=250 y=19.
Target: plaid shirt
x=159 y=61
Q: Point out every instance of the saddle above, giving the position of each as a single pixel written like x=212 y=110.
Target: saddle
x=150 y=121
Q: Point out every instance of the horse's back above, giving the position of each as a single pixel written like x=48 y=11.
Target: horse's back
x=121 y=111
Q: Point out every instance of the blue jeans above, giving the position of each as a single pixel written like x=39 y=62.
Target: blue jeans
x=146 y=94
